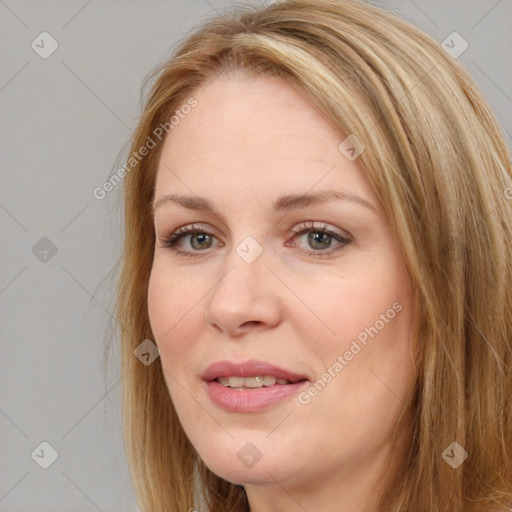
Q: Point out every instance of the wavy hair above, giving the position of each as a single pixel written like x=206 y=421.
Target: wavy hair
x=438 y=161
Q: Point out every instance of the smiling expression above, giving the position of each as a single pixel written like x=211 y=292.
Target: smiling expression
x=273 y=248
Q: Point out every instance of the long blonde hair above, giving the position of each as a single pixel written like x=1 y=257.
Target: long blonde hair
x=438 y=161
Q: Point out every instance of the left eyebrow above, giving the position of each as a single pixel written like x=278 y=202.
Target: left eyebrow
x=294 y=201
x=282 y=204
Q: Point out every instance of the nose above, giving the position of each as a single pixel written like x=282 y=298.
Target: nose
x=245 y=298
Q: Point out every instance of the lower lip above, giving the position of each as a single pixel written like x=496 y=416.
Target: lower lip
x=251 y=400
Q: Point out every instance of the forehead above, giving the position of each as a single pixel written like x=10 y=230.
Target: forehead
x=255 y=133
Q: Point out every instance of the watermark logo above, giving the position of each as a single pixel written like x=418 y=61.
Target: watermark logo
x=249 y=249
x=454 y=455
x=455 y=45
x=44 y=455
x=146 y=352
x=44 y=45
x=351 y=147
x=44 y=250
x=249 y=455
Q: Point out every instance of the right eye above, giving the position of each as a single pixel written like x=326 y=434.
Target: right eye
x=199 y=239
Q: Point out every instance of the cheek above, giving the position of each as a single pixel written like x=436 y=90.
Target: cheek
x=176 y=320
x=365 y=318
x=174 y=308
x=335 y=311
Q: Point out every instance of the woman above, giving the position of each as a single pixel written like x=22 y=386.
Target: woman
x=318 y=210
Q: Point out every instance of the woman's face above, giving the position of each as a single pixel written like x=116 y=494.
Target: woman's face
x=277 y=279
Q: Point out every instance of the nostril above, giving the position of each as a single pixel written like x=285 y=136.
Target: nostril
x=250 y=323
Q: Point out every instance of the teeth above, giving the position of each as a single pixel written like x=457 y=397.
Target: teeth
x=251 y=382
x=270 y=381
x=232 y=382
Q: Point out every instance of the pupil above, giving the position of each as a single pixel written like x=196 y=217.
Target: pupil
x=320 y=237
x=200 y=237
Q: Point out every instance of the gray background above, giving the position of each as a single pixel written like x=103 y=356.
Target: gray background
x=64 y=121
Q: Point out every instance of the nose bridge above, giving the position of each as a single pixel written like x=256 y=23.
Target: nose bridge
x=243 y=292
x=244 y=272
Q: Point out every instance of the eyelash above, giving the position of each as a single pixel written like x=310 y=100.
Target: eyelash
x=170 y=241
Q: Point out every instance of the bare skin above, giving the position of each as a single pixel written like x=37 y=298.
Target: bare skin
x=248 y=142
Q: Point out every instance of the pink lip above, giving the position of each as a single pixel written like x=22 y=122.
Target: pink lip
x=251 y=400
x=250 y=368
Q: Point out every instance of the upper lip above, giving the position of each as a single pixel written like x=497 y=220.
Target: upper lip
x=250 y=368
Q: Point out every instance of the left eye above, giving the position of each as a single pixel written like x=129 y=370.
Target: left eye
x=318 y=237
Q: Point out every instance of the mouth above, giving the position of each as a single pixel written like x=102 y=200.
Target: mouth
x=250 y=386
x=258 y=381
x=250 y=374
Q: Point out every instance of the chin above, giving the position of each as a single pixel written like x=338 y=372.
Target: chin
x=260 y=474
x=250 y=463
